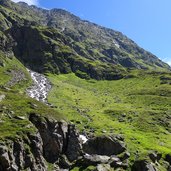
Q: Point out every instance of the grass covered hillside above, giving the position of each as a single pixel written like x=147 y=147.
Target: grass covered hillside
x=103 y=85
x=15 y=105
x=138 y=107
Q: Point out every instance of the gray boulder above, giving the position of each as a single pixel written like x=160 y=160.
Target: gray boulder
x=104 y=145
x=143 y=165
x=103 y=167
x=155 y=156
x=95 y=159
x=115 y=162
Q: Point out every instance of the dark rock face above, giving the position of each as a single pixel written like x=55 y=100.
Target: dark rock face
x=30 y=53
x=155 y=156
x=45 y=51
x=58 y=143
x=58 y=138
x=36 y=144
x=128 y=63
x=4 y=158
x=168 y=158
x=74 y=149
x=104 y=146
x=16 y=157
x=45 y=43
x=143 y=165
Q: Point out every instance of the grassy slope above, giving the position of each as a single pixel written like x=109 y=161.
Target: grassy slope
x=16 y=103
x=139 y=108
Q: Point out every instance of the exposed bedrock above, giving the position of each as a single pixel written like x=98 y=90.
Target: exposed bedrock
x=59 y=145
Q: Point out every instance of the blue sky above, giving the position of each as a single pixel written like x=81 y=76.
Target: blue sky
x=147 y=22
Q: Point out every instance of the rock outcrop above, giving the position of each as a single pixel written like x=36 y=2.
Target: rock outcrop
x=58 y=138
x=58 y=143
x=55 y=143
x=143 y=165
x=19 y=155
x=168 y=158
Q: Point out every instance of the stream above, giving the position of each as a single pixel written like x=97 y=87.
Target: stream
x=40 y=87
x=39 y=91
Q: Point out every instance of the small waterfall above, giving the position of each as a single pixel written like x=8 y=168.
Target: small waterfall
x=40 y=88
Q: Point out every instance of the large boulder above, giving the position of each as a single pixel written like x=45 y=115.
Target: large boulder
x=104 y=145
x=103 y=167
x=94 y=160
x=155 y=157
x=143 y=165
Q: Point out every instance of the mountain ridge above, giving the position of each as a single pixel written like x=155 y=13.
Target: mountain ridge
x=92 y=48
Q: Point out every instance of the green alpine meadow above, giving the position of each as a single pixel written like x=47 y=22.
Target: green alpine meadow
x=78 y=96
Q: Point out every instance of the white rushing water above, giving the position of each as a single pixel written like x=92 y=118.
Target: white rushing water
x=40 y=88
x=83 y=138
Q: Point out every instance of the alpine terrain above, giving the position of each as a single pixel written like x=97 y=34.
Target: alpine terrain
x=78 y=96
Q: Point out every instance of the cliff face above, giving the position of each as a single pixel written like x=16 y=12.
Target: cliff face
x=52 y=140
x=58 y=42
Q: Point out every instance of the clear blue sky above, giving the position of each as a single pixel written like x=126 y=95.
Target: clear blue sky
x=147 y=22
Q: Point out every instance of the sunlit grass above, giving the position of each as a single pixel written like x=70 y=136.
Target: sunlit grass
x=134 y=107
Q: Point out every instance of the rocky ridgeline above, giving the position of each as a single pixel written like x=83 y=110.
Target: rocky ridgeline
x=40 y=88
x=59 y=144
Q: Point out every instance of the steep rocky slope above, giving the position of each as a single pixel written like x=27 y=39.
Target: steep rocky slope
x=132 y=110
x=59 y=42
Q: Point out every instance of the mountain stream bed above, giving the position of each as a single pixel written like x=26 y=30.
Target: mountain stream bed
x=40 y=87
